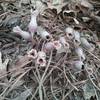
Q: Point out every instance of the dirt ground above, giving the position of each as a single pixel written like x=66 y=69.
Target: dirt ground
x=60 y=61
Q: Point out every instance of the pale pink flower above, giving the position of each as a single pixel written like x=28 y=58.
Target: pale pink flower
x=69 y=32
x=33 y=22
x=48 y=46
x=60 y=47
x=63 y=42
x=80 y=53
x=77 y=40
x=57 y=45
x=79 y=65
x=41 y=61
x=43 y=33
x=23 y=34
x=32 y=54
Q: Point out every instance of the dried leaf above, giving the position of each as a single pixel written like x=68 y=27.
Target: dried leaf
x=88 y=90
x=86 y=4
x=96 y=18
x=56 y=5
x=3 y=66
x=24 y=95
x=19 y=83
x=39 y=5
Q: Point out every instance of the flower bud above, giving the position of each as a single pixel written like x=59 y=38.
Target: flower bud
x=60 y=47
x=63 y=42
x=48 y=46
x=43 y=33
x=69 y=31
x=33 y=22
x=34 y=13
x=41 y=61
x=23 y=34
x=32 y=54
x=80 y=53
x=77 y=40
x=86 y=44
x=57 y=45
x=17 y=30
x=79 y=65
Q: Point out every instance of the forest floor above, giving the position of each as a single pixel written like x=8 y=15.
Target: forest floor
x=71 y=69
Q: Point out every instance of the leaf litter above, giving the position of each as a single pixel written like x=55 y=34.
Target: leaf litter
x=59 y=62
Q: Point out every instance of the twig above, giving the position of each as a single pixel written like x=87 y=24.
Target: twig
x=41 y=81
x=69 y=80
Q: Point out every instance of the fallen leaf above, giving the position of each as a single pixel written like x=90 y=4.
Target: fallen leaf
x=86 y=4
x=3 y=65
x=24 y=95
x=88 y=90
x=56 y=4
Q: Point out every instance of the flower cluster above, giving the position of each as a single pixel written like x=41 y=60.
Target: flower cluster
x=61 y=45
x=32 y=29
x=39 y=57
x=79 y=42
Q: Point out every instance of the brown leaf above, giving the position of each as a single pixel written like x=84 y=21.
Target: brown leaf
x=3 y=66
x=58 y=6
